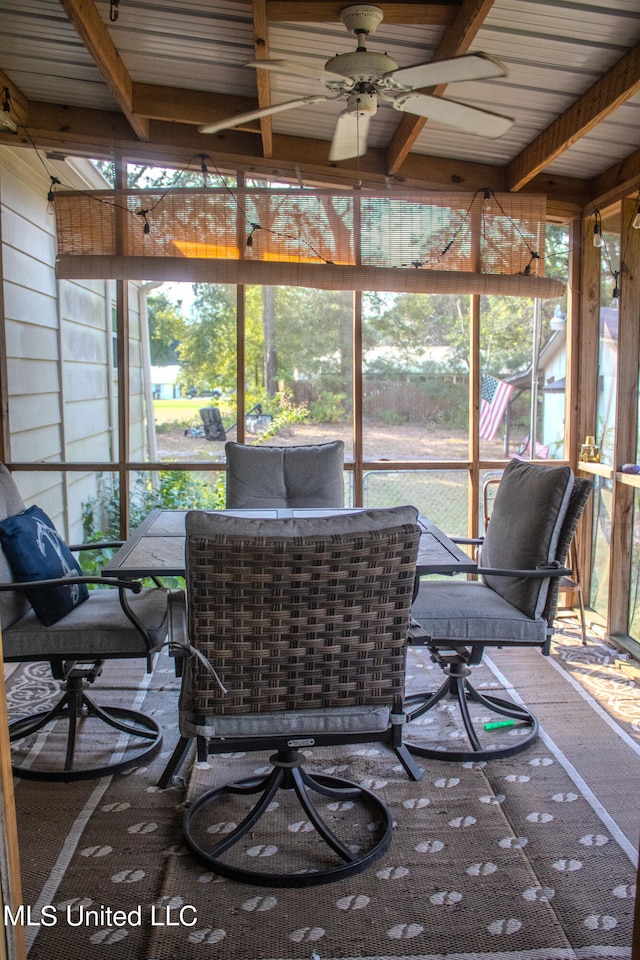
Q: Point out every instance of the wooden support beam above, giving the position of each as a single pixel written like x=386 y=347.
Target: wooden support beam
x=586 y=387
x=84 y=16
x=456 y=40
x=196 y=107
x=12 y=942
x=608 y=93
x=79 y=131
x=263 y=81
x=614 y=183
x=626 y=425
x=328 y=11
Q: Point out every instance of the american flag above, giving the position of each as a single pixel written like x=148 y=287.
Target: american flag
x=495 y=397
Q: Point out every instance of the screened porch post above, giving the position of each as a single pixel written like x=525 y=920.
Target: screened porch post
x=122 y=349
x=589 y=310
x=473 y=505
x=626 y=427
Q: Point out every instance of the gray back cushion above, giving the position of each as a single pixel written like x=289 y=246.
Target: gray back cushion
x=204 y=523
x=302 y=476
x=12 y=605
x=524 y=529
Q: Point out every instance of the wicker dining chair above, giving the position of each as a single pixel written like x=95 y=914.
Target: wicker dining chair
x=513 y=604
x=59 y=622
x=299 y=628
x=306 y=475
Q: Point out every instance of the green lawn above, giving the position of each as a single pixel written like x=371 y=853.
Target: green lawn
x=182 y=410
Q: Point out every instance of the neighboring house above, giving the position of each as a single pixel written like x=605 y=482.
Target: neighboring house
x=551 y=385
x=60 y=341
x=552 y=367
x=164 y=382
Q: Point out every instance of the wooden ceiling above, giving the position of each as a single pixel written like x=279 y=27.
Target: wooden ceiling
x=88 y=78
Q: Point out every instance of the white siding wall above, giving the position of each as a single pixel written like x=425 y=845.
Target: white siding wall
x=61 y=382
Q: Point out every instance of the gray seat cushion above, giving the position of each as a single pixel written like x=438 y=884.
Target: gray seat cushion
x=96 y=629
x=301 y=476
x=473 y=612
x=524 y=529
x=294 y=723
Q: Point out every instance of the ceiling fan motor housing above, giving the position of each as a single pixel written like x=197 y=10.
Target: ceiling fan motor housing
x=361 y=18
x=361 y=65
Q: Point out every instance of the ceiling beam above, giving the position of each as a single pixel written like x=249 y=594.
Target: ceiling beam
x=617 y=182
x=263 y=82
x=455 y=41
x=325 y=11
x=101 y=134
x=198 y=107
x=616 y=86
x=89 y=26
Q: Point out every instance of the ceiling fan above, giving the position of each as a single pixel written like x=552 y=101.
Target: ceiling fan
x=362 y=77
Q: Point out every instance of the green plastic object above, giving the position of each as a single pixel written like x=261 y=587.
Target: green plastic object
x=499 y=723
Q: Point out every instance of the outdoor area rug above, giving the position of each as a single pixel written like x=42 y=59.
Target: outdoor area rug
x=525 y=858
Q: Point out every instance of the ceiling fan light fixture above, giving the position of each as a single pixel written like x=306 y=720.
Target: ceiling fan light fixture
x=362 y=104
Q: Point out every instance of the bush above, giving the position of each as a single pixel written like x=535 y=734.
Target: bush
x=175 y=490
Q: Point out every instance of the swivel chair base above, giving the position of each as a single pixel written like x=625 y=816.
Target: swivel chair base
x=288 y=774
x=457 y=686
x=74 y=708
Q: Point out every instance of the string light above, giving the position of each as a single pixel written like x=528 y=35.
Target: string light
x=249 y=249
x=635 y=223
x=143 y=213
x=51 y=196
x=597 y=230
x=204 y=169
x=616 y=289
x=7 y=123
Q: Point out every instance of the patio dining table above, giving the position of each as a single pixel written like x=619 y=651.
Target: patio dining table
x=157 y=547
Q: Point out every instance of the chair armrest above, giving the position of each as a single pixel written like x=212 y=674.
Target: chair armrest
x=97 y=545
x=178 y=631
x=133 y=585
x=540 y=573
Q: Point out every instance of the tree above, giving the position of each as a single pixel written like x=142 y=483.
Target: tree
x=166 y=328
x=208 y=349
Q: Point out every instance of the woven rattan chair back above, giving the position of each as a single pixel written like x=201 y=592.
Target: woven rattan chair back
x=302 y=622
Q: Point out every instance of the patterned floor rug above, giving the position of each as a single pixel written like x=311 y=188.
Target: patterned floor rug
x=526 y=858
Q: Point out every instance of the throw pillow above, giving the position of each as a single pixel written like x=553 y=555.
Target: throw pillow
x=36 y=551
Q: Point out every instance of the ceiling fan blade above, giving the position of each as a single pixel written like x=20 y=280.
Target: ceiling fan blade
x=256 y=114
x=298 y=70
x=349 y=137
x=472 y=66
x=453 y=114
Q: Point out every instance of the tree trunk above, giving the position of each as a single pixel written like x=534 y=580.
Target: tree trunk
x=269 y=333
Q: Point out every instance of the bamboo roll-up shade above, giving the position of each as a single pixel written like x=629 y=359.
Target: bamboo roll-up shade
x=318 y=276
x=398 y=232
